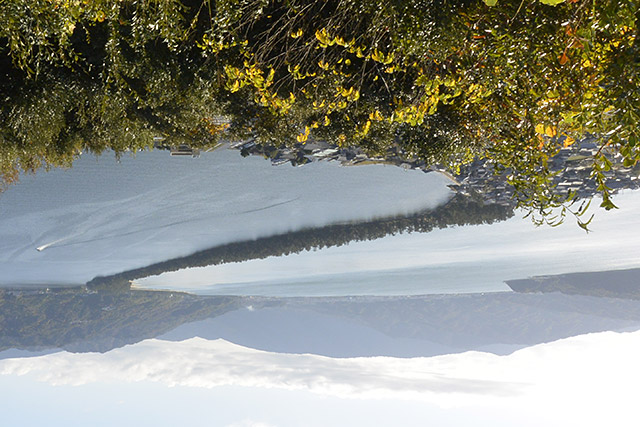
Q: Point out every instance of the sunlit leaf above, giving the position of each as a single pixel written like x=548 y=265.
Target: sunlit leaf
x=550 y=131
x=568 y=141
x=563 y=59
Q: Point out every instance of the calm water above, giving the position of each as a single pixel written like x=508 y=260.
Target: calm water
x=468 y=259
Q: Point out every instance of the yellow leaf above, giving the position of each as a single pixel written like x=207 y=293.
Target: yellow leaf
x=321 y=35
x=377 y=55
x=367 y=126
x=550 y=131
x=346 y=92
x=376 y=116
x=296 y=34
x=540 y=129
x=235 y=86
x=304 y=136
x=568 y=141
x=324 y=38
x=270 y=76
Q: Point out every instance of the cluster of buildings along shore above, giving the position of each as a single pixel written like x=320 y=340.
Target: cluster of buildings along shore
x=572 y=165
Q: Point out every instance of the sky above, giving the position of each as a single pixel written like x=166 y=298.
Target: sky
x=588 y=380
x=102 y=217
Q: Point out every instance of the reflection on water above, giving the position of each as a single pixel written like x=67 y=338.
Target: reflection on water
x=82 y=320
x=440 y=351
x=77 y=319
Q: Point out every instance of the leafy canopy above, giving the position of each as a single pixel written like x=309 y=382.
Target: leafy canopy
x=442 y=81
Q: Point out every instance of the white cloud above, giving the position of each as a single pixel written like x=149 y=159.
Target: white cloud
x=586 y=369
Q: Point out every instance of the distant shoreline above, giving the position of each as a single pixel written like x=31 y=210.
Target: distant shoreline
x=624 y=283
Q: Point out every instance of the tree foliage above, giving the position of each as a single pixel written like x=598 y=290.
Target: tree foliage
x=443 y=81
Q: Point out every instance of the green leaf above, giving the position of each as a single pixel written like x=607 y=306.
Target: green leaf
x=490 y=2
x=585 y=224
x=583 y=209
x=608 y=204
x=550 y=2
